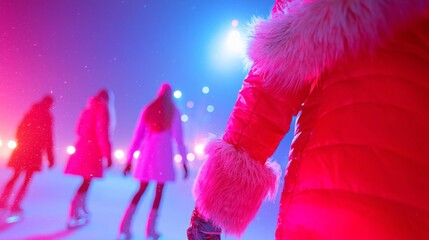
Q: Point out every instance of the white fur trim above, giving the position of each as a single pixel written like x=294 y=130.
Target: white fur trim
x=293 y=48
x=231 y=186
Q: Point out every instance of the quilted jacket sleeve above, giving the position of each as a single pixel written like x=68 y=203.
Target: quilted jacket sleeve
x=236 y=176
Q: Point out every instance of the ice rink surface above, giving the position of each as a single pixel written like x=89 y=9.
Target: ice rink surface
x=47 y=202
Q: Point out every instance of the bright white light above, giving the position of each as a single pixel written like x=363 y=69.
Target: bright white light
x=1 y=143
x=190 y=157
x=228 y=51
x=210 y=108
x=11 y=144
x=184 y=118
x=234 y=23
x=136 y=154
x=70 y=150
x=119 y=154
x=177 y=94
x=177 y=158
x=234 y=42
x=205 y=90
x=199 y=149
x=190 y=104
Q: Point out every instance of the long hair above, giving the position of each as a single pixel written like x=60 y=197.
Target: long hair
x=159 y=113
x=107 y=96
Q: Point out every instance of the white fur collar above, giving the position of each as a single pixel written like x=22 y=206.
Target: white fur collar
x=294 y=47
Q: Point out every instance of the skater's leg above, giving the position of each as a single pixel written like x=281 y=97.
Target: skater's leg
x=15 y=213
x=77 y=213
x=124 y=227
x=4 y=198
x=84 y=187
x=138 y=195
x=153 y=215
x=8 y=189
x=158 y=196
x=16 y=206
x=83 y=192
x=77 y=206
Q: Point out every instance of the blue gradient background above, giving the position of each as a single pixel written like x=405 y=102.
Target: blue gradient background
x=73 y=48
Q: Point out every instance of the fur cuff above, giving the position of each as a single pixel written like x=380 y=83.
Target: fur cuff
x=231 y=186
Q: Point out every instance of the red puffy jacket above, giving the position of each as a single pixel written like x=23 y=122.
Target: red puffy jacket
x=357 y=74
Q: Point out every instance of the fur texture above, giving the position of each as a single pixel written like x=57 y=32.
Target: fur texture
x=230 y=179
x=296 y=46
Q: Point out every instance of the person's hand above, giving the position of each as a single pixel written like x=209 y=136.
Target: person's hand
x=109 y=162
x=185 y=169
x=127 y=169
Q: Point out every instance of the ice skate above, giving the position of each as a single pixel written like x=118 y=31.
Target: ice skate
x=76 y=222
x=151 y=233
x=124 y=228
x=124 y=236
x=11 y=216
x=78 y=219
x=153 y=236
x=78 y=215
x=14 y=217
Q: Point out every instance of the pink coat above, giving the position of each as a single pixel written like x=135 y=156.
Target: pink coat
x=93 y=142
x=155 y=162
x=355 y=73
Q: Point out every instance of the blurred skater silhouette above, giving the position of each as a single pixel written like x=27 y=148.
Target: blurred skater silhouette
x=93 y=146
x=34 y=139
x=158 y=126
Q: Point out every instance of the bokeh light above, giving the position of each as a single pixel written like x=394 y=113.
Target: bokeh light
x=234 y=42
x=234 y=23
x=190 y=157
x=199 y=149
x=11 y=144
x=190 y=104
x=70 y=150
x=136 y=154
x=177 y=94
x=205 y=90
x=210 y=108
x=184 y=118
x=119 y=154
x=177 y=158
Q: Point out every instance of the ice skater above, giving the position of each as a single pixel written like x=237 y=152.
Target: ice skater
x=93 y=152
x=158 y=126
x=34 y=139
